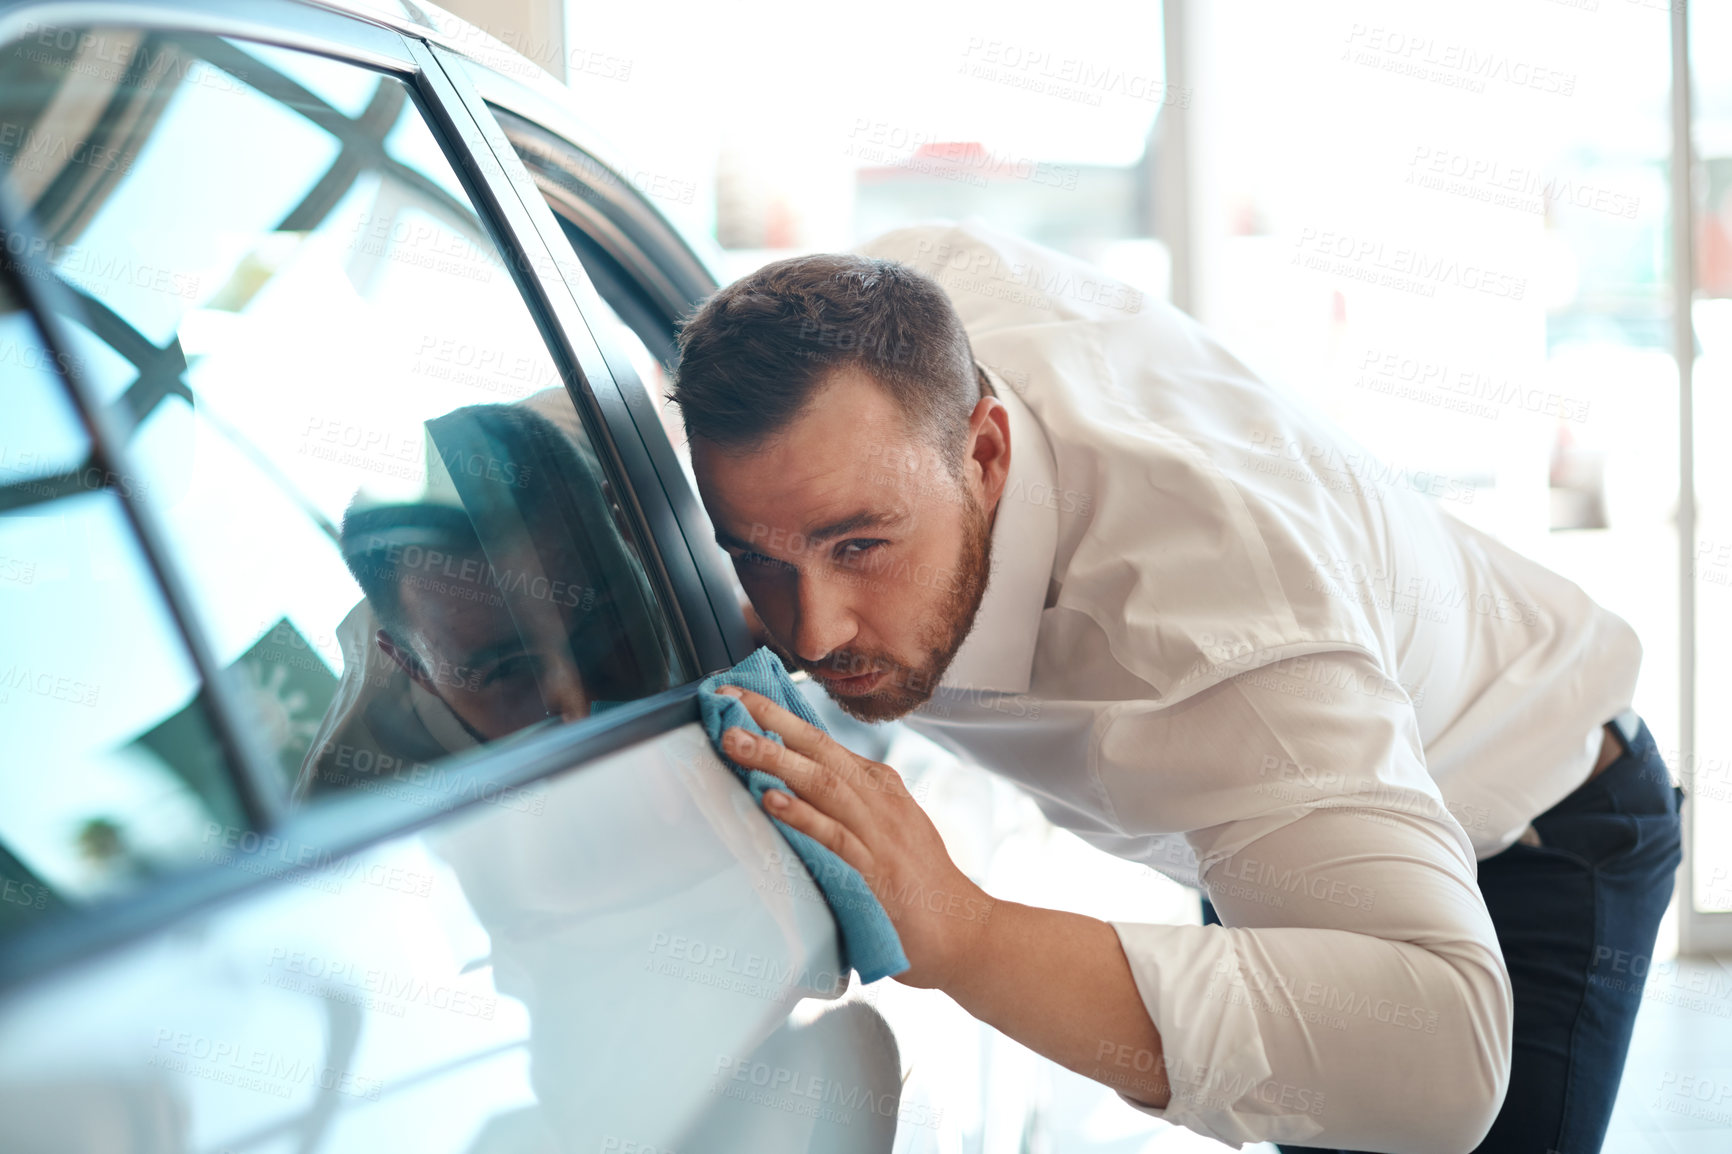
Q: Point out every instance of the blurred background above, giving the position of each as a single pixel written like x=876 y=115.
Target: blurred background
x=1263 y=165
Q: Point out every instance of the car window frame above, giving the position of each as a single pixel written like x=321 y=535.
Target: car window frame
x=695 y=566
x=345 y=823
x=650 y=280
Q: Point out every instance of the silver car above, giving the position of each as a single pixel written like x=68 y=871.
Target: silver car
x=353 y=601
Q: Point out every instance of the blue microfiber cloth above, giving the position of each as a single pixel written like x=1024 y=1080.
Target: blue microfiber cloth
x=869 y=941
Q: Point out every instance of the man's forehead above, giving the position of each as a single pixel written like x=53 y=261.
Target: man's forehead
x=456 y=622
x=850 y=450
x=814 y=524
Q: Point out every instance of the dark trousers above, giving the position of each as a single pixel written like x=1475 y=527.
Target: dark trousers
x=1576 y=918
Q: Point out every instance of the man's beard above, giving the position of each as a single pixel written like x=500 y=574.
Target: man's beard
x=907 y=687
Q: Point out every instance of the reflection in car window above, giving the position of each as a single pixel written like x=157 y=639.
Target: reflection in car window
x=109 y=772
x=393 y=521
x=42 y=438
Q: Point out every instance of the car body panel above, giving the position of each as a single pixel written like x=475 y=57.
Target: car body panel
x=592 y=955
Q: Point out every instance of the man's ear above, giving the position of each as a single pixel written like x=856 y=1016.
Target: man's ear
x=989 y=451
x=405 y=659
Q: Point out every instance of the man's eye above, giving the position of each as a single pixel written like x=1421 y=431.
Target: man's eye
x=858 y=547
x=512 y=667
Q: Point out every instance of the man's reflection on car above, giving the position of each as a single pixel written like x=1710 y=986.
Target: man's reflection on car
x=445 y=619
x=505 y=596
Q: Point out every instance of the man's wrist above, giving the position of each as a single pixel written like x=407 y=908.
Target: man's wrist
x=969 y=974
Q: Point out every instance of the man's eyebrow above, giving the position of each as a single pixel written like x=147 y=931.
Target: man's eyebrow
x=728 y=541
x=852 y=523
x=865 y=519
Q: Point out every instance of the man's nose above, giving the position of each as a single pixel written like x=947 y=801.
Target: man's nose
x=823 y=617
x=563 y=693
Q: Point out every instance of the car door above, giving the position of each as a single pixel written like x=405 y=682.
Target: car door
x=352 y=795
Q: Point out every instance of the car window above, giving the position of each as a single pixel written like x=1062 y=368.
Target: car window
x=395 y=525
x=656 y=375
x=109 y=772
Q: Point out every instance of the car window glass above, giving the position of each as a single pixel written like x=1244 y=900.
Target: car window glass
x=109 y=773
x=658 y=382
x=344 y=87
x=396 y=527
x=41 y=436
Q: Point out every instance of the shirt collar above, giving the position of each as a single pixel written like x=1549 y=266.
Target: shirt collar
x=998 y=654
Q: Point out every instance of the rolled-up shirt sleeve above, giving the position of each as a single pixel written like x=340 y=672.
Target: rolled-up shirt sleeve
x=1356 y=996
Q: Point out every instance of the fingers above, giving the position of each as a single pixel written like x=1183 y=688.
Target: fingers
x=795 y=731
x=821 y=786
x=819 y=826
x=754 y=752
x=820 y=747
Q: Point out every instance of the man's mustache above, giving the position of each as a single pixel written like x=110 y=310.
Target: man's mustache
x=851 y=664
x=847 y=662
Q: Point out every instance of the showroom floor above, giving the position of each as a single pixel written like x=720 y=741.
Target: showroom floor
x=1677 y=1092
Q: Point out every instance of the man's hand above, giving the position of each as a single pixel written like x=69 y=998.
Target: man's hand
x=1057 y=982
x=861 y=811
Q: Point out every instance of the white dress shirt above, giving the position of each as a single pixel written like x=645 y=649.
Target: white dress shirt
x=1220 y=639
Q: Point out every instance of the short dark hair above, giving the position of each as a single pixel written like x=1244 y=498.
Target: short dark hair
x=375 y=542
x=503 y=462
x=752 y=355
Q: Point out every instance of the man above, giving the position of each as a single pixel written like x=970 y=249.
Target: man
x=1059 y=529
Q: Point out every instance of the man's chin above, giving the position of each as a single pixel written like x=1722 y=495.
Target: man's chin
x=878 y=705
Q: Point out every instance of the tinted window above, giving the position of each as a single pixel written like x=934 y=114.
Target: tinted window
x=396 y=525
